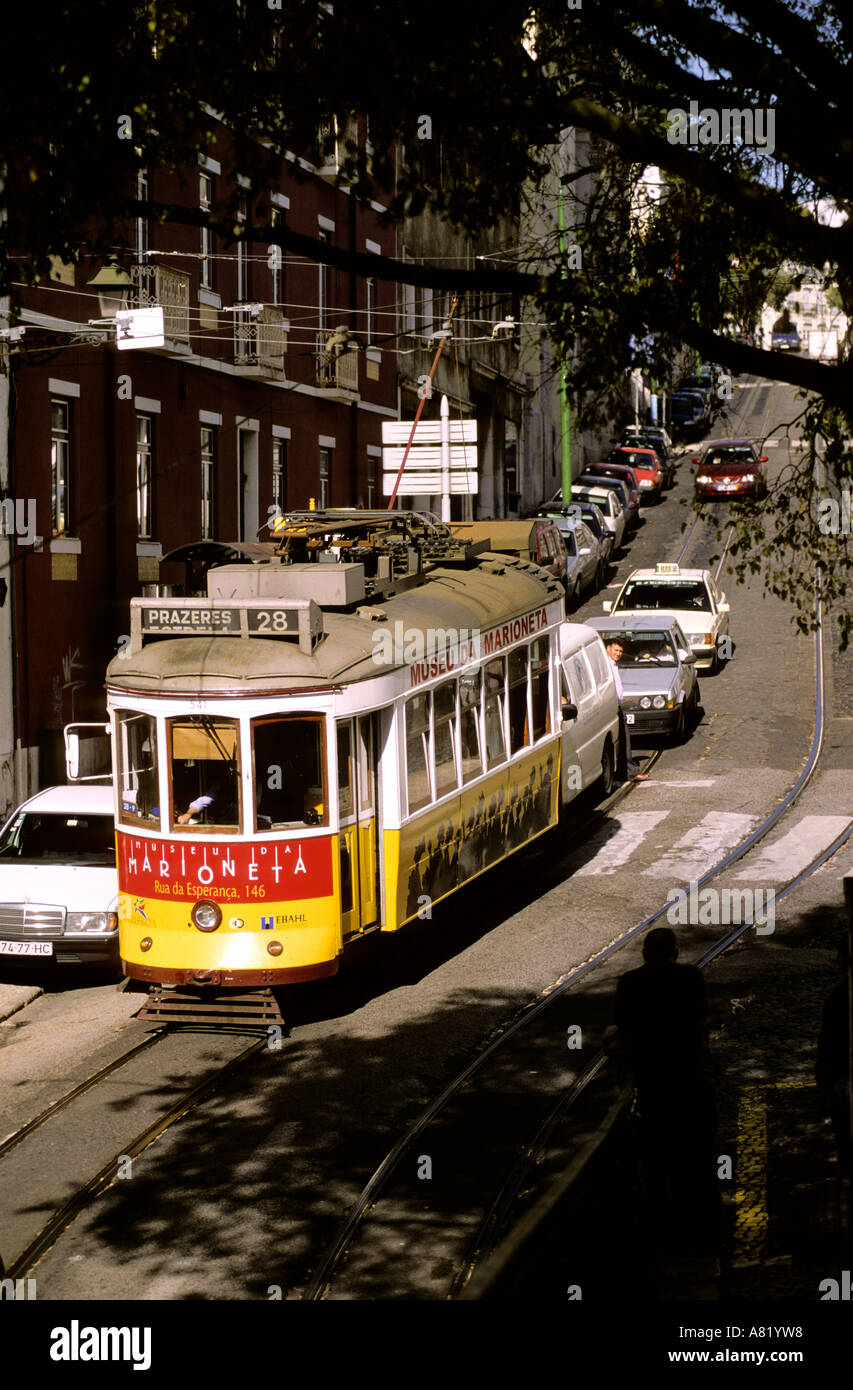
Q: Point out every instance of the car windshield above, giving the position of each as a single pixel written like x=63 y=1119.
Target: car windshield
x=740 y=458
x=643 y=648
x=634 y=459
x=82 y=838
x=689 y=595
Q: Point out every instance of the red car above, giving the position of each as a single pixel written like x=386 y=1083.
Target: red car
x=651 y=474
x=730 y=468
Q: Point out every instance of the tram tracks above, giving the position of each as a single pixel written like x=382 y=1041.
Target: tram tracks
x=84 y=1195
x=366 y=1211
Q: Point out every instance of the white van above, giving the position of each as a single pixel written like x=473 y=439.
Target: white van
x=590 y=729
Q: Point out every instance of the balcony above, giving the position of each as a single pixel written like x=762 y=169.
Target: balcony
x=336 y=371
x=260 y=342
x=159 y=287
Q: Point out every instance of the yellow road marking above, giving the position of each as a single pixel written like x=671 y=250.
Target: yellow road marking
x=751 y=1218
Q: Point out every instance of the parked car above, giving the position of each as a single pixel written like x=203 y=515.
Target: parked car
x=659 y=441
x=660 y=690
x=608 y=504
x=692 y=595
x=688 y=412
x=594 y=518
x=629 y=497
x=648 y=470
x=585 y=560
x=730 y=468
x=58 y=878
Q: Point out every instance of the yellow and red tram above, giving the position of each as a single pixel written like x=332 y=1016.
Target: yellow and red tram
x=303 y=755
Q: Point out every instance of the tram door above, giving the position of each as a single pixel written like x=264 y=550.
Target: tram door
x=358 y=837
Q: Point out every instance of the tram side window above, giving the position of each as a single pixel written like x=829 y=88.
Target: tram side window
x=290 y=783
x=540 y=686
x=205 y=772
x=444 y=705
x=139 y=785
x=469 y=725
x=495 y=700
x=519 y=729
x=345 y=771
x=418 y=757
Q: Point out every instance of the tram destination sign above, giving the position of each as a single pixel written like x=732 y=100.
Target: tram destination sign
x=218 y=619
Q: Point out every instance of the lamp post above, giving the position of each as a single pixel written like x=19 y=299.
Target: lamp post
x=113 y=286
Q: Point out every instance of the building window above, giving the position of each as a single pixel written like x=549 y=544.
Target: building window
x=371 y=481
x=277 y=260
x=325 y=477
x=143 y=476
x=428 y=315
x=279 y=475
x=60 y=466
x=208 y=463
x=142 y=222
x=512 y=495
x=205 y=199
x=323 y=289
x=370 y=333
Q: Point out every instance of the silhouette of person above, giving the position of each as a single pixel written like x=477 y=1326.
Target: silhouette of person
x=661 y=1014
x=832 y=1071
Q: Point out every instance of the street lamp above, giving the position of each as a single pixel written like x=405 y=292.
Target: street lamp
x=113 y=286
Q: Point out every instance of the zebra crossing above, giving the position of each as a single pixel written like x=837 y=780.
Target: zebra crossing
x=632 y=834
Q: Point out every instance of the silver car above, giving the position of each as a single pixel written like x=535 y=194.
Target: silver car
x=660 y=689
x=586 y=566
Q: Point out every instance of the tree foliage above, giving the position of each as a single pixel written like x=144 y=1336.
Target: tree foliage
x=730 y=218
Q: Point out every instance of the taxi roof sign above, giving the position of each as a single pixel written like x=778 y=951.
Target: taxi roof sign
x=667 y=569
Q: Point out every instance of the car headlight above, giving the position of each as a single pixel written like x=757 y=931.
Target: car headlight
x=748 y=478
x=645 y=702
x=704 y=478
x=701 y=639
x=91 y=921
x=659 y=702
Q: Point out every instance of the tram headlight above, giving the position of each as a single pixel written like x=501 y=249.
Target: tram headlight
x=206 y=916
x=275 y=948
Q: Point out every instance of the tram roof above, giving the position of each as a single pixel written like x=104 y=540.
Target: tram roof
x=496 y=589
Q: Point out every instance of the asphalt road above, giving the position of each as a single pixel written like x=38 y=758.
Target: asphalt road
x=240 y=1196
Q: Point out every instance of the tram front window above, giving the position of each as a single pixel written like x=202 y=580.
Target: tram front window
x=137 y=762
x=290 y=781
x=205 y=772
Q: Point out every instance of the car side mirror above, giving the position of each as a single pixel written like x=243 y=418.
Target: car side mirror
x=608 y=606
x=570 y=711
x=724 y=607
x=763 y=458
x=686 y=658
x=585 y=549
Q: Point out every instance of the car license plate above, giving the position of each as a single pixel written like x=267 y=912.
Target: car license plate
x=26 y=948
x=728 y=487
x=629 y=718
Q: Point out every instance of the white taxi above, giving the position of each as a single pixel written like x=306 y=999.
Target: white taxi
x=702 y=609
